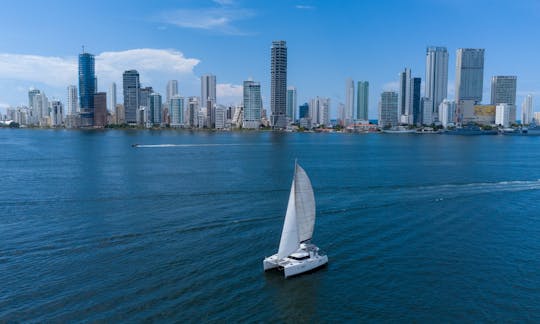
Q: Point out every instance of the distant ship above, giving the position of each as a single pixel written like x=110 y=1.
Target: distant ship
x=399 y=130
x=470 y=130
x=296 y=253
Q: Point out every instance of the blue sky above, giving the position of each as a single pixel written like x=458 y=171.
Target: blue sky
x=328 y=41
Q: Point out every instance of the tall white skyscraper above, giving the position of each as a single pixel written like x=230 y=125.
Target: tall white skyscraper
x=291 y=104
x=112 y=97
x=72 y=100
x=172 y=89
x=319 y=111
x=349 y=101
x=404 y=99
x=208 y=97
x=527 y=112
x=436 y=76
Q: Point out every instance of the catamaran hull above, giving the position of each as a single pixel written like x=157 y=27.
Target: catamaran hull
x=292 y=268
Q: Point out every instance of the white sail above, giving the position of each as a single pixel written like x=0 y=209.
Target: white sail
x=289 y=236
x=305 y=204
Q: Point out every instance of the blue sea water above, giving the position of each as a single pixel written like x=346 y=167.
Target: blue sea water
x=417 y=228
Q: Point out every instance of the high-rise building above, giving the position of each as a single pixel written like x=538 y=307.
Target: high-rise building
x=176 y=108
x=131 y=86
x=112 y=97
x=172 y=90
x=319 y=111
x=87 y=88
x=155 y=111
x=469 y=74
x=505 y=114
x=303 y=111
x=436 y=76
x=362 y=100
x=221 y=116
x=503 y=90
x=57 y=113
x=404 y=99
x=426 y=106
x=35 y=109
x=388 y=109
x=193 y=112
x=291 y=104
x=349 y=101
x=72 y=106
x=208 y=97
x=100 y=109
x=416 y=104
x=447 y=109
x=527 y=110
x=278 y=84
x=252 y=105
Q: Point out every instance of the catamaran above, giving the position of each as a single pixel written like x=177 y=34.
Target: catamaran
x=296 y=253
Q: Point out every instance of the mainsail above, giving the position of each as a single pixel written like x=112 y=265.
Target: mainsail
x=300 y=216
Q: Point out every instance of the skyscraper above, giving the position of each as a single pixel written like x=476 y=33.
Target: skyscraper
x=503 y=90
x=349 y=101
x=469 y=74
x=112 y=97
x=415 y=97
x=527 y=110
x=100 y=109
x=172 y=89
x=436 y=77
x=57 y=113
x=131 y=87
x=208 y=97
x=72 y=101
x=176 y=108
x=291 y=104
x=252 y=104
x=362 y=100
x=388 y=109
x=155 y=109
x=304 y=111
x=278 y=84
x=319 y=111
x=87 y=88
x=404 y=100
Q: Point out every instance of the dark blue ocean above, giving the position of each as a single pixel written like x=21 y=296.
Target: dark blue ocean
x=424 y=228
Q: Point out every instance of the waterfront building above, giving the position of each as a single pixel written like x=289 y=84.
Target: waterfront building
x=536 y=118
x=112 y=97
x=388 y=109
x=349 y=102
x=35 y=108
x=416 y=98
x=120 y=114
x=505 y=115
x=176 y=108
x=362 y=99
x=208 y=97
x=172 y=90
x=87 y=88
x=252 y=105
x=100 y=109
x=404 y=99
x=341 y=115
x=291 y=104
x=278 y=84
x=503 y=90
x=131 y=87
x=57 y=113
x=221 y=116
x=447 y=109
x=483 y=114
x=143 y=116
x=527 y=110
x=426 y=107
x=155 y=112
x=303 y=111
x=319 y=111
x=469 y=74
x=72 y=106
x=193 y=112
x=436 y=86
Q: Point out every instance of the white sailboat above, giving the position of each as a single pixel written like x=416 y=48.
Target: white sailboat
x=296 y=253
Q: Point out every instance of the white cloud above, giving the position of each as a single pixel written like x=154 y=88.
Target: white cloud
x=304 y=7
x=229 y=94
x=225 y=2
x=212 y=19
x=391 y=86
x=49 y=70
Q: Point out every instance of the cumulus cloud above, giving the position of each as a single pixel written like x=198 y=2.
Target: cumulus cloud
x=228 y=93
x=50 y=70
x=220 y=19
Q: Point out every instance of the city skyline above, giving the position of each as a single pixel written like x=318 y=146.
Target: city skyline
x=24 y=66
